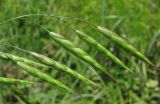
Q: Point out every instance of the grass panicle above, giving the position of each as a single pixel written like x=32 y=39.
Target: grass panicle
x=79 y=53
x=13 y=81
x=54 y=64
x=101 y=49
x=123 y=43
x=36 y=73
x=21 y=59
x=33 y=71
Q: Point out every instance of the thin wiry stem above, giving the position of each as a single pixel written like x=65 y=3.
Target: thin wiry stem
x=50 y=16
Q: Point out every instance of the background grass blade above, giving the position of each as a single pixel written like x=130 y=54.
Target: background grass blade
x=21 y=95
x=101 y=49
x=14 y=81
x=123 y=43
x=36 y=73
x=72 y=48
x=21 y=59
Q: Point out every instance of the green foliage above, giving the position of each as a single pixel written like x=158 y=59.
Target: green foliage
x=136 y=22
x=72 y=48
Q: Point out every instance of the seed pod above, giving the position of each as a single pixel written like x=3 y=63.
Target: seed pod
x=52 y=63
x=36 y=73
x=47 y=62
x=79 y=53
x=21 y=59
x=101 y=49
x=14 y=81
x=123 y=43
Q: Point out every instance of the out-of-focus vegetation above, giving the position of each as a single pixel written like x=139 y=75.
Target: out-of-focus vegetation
x=136 y=21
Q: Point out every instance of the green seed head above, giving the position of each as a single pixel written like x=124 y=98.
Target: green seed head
x=79 y=53
x=123 y=43
x=14 y=81
x=36 y=73
x=91 y=41
x=56 y=65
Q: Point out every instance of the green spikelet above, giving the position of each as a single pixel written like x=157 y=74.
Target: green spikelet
x=123 y=43
x=52 y=63
x=13 y=81
x=47 y=62
x=100 y=48
x=36 y=73
x=21 y=59
x=72 y=48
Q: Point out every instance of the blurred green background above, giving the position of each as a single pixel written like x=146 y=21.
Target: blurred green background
x=138 y=21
